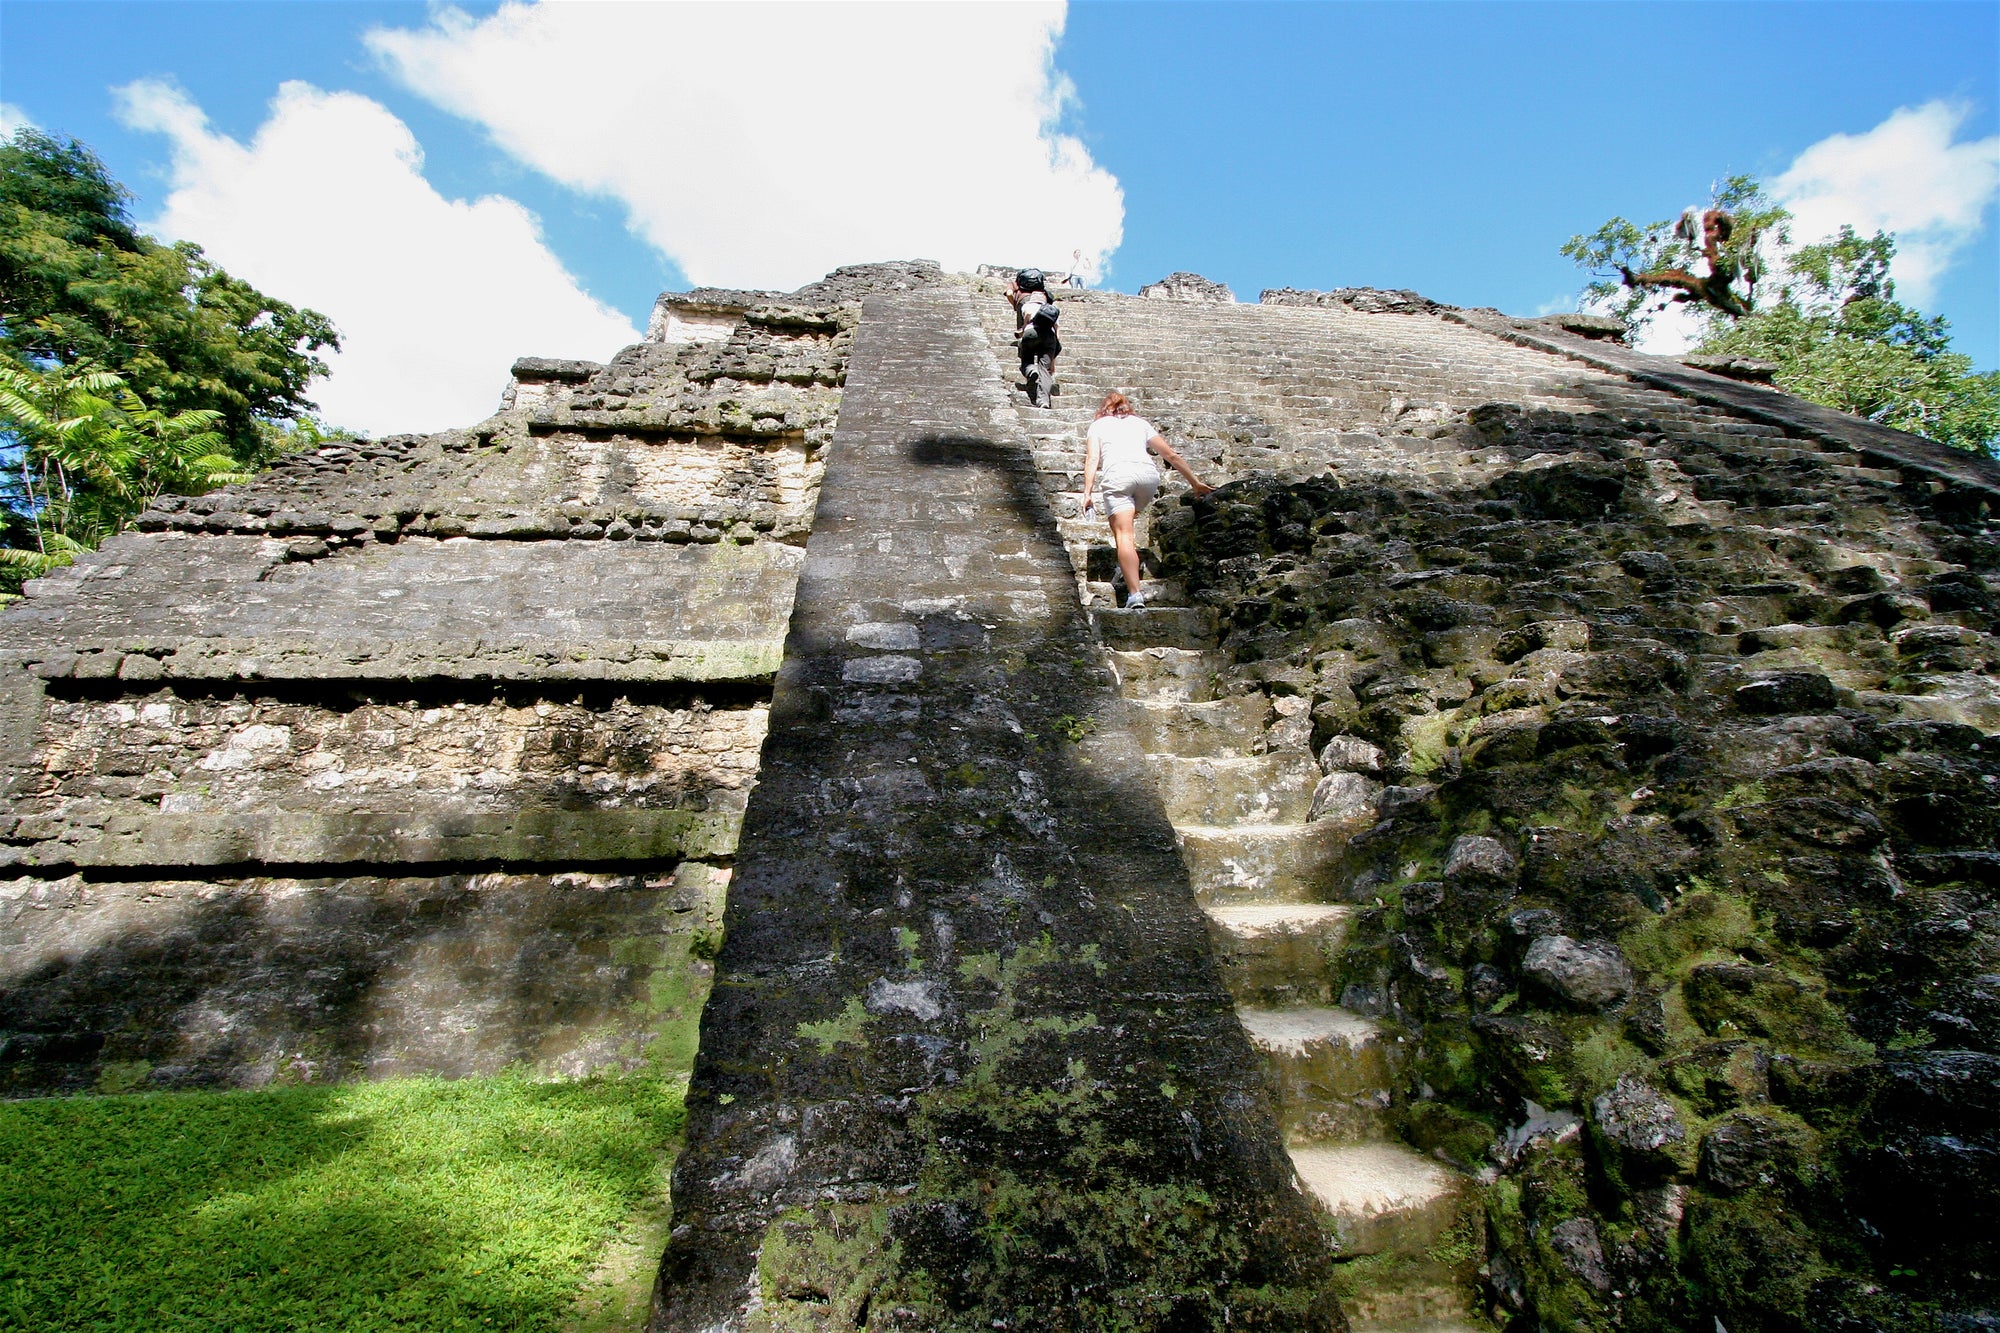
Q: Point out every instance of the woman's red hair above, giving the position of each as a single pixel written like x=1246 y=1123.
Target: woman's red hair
x=1116 y=404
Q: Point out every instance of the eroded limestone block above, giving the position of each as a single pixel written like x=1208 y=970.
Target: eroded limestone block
x=1643 y=1127
x=1474 y=856
x=1187 y=287
x=1588 y=974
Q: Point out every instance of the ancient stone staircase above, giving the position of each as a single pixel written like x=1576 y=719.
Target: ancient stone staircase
x=1238 y=780
x=961 y=951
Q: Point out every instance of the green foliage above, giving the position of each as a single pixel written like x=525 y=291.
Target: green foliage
x=1834 y=327
x=91 y=452
x=469 y=1205
x=1621 y=245
x=296 y=436
x=1074 y=729
x=127 y=367
x=1839 y=337
x=79 y=286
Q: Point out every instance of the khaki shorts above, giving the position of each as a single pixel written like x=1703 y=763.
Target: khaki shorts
x=1133 y=493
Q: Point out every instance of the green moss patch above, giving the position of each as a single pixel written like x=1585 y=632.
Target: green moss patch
x=412 y=1204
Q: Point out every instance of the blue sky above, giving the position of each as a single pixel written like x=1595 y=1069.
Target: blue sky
x=619 y=150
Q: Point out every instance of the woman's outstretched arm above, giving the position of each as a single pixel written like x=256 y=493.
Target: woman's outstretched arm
x=1159 y=445
x=1089 y=473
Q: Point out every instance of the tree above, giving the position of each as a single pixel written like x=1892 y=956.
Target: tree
x=1832 y=326
x=1675 y=246
x=80 y=286
x=87 y=453
x=127 y=367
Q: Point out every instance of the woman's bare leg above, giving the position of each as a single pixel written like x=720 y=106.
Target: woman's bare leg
x=1128 y=550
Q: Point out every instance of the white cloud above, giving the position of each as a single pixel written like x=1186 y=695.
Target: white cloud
x=761 y=145
x=1670 y=328
x=12 y=118
x=327 y=207
x=1673 y=330
x=1905 y=176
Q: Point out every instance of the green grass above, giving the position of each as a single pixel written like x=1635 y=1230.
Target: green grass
x=493 y=1203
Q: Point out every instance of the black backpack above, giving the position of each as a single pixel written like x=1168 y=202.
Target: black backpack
x=1045 y=316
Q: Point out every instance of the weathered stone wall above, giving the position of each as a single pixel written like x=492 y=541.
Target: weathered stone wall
x=248 y=776
x=470 y=697
x=124 y=984
x=968 y=1063
x=1679 y=877
x=1657 y=716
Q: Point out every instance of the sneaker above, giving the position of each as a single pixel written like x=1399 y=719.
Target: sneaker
x=1136 y=602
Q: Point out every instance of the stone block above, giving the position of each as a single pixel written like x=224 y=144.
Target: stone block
x=1333 y=1070
x=1222 y=728
x=1589 y=974
x=1260 y=789
x=247 y=981
x=1279 y=955
x=1281 y=863
x=1380 y=1198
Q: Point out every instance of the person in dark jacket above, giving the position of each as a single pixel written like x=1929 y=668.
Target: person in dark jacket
x=1035 y=331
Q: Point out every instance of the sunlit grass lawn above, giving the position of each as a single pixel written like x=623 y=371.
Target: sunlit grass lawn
x=414 y=1204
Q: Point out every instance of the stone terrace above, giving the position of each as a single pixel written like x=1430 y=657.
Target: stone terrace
x=284 y=760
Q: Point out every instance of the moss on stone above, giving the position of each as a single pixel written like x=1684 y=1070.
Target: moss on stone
x=1060 y=1222
x=818 y=1269
x=1788 y=871
x=1753 y=1259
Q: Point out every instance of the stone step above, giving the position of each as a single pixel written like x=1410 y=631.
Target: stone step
x=1167 y=627
x=1216 y=729
x=1279 y=955
x=1380 y=1198
x=1159 y=593
x=1258 y=789
x=1437 y=1306
x=1332 y=1070
x=1092 y=531
x=1278 y=863
x=1169 y=675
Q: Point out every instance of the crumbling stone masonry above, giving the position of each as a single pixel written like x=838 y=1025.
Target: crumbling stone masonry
x=426 y=753
x=1531 y=864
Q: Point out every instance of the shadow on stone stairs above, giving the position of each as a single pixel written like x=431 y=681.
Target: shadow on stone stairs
x=1406 y=1227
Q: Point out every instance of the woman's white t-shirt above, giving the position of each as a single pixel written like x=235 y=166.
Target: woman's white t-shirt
x=1121 y=448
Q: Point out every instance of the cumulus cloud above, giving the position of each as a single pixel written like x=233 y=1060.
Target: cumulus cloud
x=12 y=118
x=327 y=207
x=759 y=145
x=1906 y=176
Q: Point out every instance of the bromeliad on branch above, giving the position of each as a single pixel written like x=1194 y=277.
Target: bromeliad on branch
x=1634 y=265
x=1826 y=315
